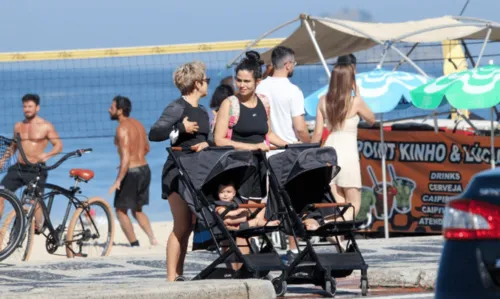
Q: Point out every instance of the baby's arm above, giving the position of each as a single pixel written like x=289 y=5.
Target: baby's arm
x=220 y=209
x=235 y=220
x=237 y=212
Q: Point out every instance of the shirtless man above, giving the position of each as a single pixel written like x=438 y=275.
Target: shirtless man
x=134 y=176
x=35 y=133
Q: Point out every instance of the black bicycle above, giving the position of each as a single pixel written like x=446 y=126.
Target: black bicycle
x=91 y=224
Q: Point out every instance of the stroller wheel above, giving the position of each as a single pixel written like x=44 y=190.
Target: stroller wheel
x=330 y=287
x=180 y=278
x=268 y=277
x=279 y=286
x=364 y=287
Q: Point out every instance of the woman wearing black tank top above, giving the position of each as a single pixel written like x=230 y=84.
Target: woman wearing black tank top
x=185 y=119
x=253 y=125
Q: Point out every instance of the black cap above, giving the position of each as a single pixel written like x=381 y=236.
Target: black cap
x=346 y=59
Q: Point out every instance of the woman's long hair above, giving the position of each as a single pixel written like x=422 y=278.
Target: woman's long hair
x=338 y=99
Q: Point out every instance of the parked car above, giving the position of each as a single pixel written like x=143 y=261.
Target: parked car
x=470 y=260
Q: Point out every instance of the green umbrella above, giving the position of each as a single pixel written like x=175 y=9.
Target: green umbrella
x=477 y=88
x=470 y=89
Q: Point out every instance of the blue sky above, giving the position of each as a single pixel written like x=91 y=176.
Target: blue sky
x=31 y=25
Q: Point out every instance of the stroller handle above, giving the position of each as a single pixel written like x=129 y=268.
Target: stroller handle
x=296 y=145
x=329 y=205
x=181 y=149
x=192 y=149
x=303 y=145
x=225 y=148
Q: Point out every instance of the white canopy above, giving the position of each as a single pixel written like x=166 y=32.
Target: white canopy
x=339 y=37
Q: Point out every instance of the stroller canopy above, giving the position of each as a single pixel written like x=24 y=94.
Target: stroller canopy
x=296 y=161
x=204 y=171
x=206 y=167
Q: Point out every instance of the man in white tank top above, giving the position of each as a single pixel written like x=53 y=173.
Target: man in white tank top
x=287 y=107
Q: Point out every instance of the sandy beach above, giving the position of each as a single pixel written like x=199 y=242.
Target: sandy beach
x=121 y=246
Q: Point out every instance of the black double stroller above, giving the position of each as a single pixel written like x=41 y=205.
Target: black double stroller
x=299 y=189
x=200 y=175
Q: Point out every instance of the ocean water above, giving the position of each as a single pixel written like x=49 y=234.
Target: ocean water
x=76 y=102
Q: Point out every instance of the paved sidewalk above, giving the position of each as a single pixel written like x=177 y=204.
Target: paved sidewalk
x=403 y=262
x=398 y=262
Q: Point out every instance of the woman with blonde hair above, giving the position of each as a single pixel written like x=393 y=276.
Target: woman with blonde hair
x=341 y=109
x=187 y=124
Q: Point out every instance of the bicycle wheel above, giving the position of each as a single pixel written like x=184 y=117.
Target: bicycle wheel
x=11 y=234
x=91 y=230
x=23 y=249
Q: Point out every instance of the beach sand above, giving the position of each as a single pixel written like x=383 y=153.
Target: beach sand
x=121 y=245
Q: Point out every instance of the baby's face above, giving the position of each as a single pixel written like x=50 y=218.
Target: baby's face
x=227 y=193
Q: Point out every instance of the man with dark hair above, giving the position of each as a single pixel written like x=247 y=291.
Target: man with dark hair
x=36 y=133
x=280 y=57
x=134 y=176
x=123 y=104
x=31 y=97
x=287 y=100
x=287 y=106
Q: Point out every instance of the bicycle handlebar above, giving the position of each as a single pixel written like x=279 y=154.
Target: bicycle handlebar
x=39 y=165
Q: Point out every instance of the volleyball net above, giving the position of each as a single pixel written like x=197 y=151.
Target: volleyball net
x=76 y=87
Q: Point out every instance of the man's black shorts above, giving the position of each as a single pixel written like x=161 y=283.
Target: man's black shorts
x=134 y=189
x=19 y=175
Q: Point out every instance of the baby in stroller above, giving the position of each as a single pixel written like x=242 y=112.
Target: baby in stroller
x=238 y=219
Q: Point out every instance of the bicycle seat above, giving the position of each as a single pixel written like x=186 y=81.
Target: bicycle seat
x=81 y=174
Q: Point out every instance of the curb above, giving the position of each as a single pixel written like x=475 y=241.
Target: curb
x=423 y=278
x=201 y=289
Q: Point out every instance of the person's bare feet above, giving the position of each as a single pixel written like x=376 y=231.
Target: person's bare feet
x=271 y=223
x=153 y=242
x=311 y=224
x=263 y=222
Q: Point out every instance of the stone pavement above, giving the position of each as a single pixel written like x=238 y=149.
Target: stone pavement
x=398 y=262
x=402 y=262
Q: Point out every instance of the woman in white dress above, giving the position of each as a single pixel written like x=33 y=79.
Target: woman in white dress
x=341 y=110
